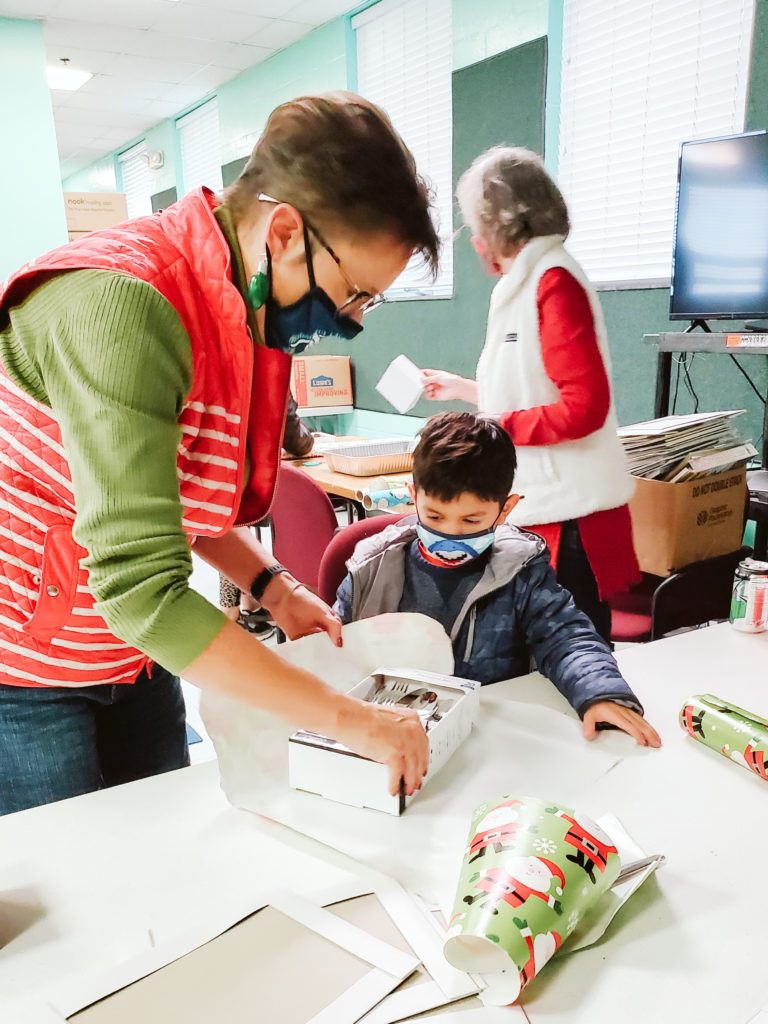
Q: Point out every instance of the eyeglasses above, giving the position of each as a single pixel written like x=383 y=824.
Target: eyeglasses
x=359 y=300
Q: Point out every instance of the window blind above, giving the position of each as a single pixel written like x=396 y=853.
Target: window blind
x=404 y=63
x=200 y=149
x=135 y=180
x=639 y=79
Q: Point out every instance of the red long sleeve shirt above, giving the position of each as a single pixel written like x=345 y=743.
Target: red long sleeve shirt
x=573 y=363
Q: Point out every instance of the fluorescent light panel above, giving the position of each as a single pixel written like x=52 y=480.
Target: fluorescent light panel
x=66 y=77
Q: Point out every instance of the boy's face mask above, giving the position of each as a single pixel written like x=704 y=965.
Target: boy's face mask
x=304 y=322
x=450 y=549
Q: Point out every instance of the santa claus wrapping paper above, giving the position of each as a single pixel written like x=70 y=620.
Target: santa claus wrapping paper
x=532 y=870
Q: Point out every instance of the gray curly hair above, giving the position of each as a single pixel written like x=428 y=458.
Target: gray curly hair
x=507 y=198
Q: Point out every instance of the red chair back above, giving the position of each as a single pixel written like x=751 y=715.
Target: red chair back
x=303 y=524
x=333 y=565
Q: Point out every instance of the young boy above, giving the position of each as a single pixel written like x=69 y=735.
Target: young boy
x=490 y=585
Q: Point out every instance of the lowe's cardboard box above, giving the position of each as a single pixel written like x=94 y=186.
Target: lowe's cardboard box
x=318 y=381
x=676 y=524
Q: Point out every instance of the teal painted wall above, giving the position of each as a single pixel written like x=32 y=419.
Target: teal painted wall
x=316 y=63
x=483 y=28
x=33 y=218
x=97 y=177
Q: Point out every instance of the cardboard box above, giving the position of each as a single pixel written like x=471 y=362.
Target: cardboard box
x=324 y=766
x=92 y=211
x=676 y=524
x=318 y=381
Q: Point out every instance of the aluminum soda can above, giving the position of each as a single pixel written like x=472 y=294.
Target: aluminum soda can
x=749 y=598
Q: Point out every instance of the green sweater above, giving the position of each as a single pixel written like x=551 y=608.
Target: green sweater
x=109 y=355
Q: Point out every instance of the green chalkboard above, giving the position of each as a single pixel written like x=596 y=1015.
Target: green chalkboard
x=498 y=100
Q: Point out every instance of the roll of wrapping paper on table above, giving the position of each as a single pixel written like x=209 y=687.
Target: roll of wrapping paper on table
x=733 y=732
x=381 y=483
x=386 y=499
x=531 y=872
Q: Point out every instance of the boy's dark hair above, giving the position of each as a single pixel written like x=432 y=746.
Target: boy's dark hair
x=461 y=453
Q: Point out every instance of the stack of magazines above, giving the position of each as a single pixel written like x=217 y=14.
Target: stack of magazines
x=680 y=448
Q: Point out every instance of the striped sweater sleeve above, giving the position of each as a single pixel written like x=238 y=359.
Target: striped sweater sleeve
x=111 y=358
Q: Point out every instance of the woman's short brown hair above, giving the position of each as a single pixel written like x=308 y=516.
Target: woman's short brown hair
x=339 y=161
x=507 y=198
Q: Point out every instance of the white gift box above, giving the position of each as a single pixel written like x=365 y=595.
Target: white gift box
x=318 y=764
x=401 y=384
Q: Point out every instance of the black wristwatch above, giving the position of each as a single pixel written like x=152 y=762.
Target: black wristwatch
x=265 y=577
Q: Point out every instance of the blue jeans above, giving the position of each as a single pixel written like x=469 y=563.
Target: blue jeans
x=60 y=741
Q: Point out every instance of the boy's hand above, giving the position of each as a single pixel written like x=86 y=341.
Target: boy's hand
x=623 y=718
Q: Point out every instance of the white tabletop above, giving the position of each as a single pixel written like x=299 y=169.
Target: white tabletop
x=86 y=877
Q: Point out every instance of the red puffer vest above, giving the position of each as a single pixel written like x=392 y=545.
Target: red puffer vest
x=49 y=632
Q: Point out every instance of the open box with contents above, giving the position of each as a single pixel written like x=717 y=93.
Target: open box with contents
x=447 y=707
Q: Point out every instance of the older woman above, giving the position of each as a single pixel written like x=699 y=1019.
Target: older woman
x=143 y=387
x=544 y=372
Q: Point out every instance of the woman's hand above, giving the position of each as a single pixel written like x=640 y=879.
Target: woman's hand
x=394 y=737
x=297 y=611
x=441 y=386
x=623 y=718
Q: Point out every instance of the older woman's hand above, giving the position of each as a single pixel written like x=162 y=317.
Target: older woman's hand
x=442 y=386
x=297 y=611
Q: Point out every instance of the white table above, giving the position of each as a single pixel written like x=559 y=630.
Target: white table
x=91 y=873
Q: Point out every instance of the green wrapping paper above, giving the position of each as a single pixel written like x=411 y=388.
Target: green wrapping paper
x=531 y=872
x=731 y=731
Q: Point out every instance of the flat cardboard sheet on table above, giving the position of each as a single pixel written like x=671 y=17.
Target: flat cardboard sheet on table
x=251 y=971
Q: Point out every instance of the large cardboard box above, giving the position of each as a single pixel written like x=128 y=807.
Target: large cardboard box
x=92 y=211
x=318 y=381
x=676 y=524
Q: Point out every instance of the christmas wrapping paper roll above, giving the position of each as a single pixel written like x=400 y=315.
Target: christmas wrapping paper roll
x=531 y=871
x=381 y=483
x=731 y=731
x=386 y=499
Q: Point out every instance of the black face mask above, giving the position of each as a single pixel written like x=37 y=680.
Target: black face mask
x=307 y=320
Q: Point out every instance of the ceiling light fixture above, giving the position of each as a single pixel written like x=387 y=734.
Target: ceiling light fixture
x=62 y=76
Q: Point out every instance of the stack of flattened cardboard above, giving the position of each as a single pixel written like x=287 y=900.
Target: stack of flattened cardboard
x=690 y=489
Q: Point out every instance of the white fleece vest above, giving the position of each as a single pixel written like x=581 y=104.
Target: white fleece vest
x=559 y=481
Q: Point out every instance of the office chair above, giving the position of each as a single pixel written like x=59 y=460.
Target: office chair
x=691 y=596
x=303 y=523
x=333 y=564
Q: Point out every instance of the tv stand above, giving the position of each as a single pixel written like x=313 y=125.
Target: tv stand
x=728 y=344
x=697 y=323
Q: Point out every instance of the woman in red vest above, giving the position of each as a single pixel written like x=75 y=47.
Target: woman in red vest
x=143 y=388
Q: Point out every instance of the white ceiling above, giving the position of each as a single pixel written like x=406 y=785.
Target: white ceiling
x=152 y=58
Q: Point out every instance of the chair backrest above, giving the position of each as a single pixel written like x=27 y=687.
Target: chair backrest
x=303 y=523
x=333 y=565
x=695 y=594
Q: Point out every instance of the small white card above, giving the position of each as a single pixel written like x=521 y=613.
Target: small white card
x=401 y=384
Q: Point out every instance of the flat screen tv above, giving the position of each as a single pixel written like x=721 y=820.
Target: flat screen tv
x=720 y=256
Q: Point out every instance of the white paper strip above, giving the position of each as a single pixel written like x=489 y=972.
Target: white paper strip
x=484 y=1015
x=422 y=935
x=407 y=1002
x=348 y=936
x=358 y=999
